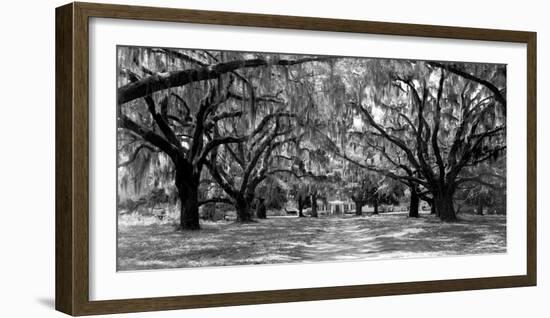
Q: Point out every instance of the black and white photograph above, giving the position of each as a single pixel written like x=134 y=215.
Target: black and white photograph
x=232 y=158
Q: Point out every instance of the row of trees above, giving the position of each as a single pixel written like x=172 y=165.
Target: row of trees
x=434 y=127
x=226 y=126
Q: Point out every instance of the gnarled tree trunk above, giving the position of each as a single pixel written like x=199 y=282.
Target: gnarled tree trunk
x=413 y=206
x=480 y=209
x=301 y=204
x=444 y=207
x=314 y=205
x=261 y=211
x=432 y=209
x=243 y=210
x=358 y=207
x=188 y=190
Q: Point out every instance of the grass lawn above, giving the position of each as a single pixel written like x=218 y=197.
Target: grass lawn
x=290 y=239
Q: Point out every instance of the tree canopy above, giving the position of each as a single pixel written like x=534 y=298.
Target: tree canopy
x=253 y=129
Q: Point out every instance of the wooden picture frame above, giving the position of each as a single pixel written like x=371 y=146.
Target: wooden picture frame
x=72 y=158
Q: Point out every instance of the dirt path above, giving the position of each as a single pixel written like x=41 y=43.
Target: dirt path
x=287 y=240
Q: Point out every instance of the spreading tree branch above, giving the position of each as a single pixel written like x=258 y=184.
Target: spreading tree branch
x=215 y=200
x=437 y=122
x=162 y=81
x=456 y=70
x=148 y=135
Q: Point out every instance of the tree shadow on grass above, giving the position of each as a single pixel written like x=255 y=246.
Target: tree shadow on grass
x=288 y=240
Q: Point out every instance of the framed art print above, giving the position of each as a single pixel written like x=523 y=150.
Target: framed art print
x=215 y=159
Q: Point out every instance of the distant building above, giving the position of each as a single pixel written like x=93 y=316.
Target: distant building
x=339 y=207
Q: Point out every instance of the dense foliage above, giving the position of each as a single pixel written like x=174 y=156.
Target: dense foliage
x=259 y=132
